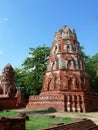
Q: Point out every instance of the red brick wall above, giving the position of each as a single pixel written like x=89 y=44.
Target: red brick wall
x=69 y=102
x=59 y=106
x=45 y=102
x=12 y=123
x=7 y=103
x=86 y=124
x=91 y=103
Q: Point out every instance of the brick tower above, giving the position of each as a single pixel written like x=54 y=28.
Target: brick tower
x=66 y=83
x=7 y=80
x=10 y=97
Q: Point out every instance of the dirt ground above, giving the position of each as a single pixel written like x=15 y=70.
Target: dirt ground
x=76 y=115
x=91 y=115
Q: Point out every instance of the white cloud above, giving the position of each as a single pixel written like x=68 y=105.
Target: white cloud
x=5 y=19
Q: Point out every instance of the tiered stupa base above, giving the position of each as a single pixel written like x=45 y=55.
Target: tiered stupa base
x=69 y=101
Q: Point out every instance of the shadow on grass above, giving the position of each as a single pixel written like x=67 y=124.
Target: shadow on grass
x=50 y=110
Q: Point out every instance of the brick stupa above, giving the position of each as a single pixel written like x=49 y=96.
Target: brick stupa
x=10 y=97
x=7 y=81
x=66 y=83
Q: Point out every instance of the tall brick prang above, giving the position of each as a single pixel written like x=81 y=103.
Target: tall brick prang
x=66 y=83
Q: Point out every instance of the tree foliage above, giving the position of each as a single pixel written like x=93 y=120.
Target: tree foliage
x=91 y=65
x=92 y=68
x=34 y=66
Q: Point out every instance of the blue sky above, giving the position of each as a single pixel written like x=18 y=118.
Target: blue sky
x=30 y=23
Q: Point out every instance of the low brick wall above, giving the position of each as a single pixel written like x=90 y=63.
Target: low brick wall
x=45 y=102
x=7 y=103
x=91 y=103
x=85 y=124
x=12 y=123
x=11 y=102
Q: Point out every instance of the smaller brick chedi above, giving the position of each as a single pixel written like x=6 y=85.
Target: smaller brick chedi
x=7 y=81
x=10 y=97
x=66 y=83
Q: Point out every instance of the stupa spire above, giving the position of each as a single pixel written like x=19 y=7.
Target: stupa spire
x=65 y=68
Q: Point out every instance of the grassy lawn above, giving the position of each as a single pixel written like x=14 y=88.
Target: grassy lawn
x=8 y=113
x=37 y=123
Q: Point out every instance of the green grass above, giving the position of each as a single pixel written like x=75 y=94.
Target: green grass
x=36 y=122
x=8 y=113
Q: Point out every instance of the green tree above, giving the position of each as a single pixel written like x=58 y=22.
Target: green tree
x=92 y=69
x=20 y=79
x=91 y=65
x=95 y=60
x=95 y=70
x=34 y=67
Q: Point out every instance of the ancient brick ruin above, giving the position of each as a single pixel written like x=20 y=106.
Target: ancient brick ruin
x=9 y=96
x=12 y=123
x=66 y=83
x=7 y=81
x=85 y=124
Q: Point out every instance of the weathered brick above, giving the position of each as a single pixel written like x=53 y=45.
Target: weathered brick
x=66 y=83
x=9 y=123
x=86 y=124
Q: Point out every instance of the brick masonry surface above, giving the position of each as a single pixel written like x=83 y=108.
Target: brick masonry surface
x=12 y=123
x=85 y=124
x=10 y=97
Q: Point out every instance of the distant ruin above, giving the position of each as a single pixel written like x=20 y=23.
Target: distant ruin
x=66 y=83
x=7 y=81
x=10 y=97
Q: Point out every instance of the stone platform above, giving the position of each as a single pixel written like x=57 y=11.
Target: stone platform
x=76 y=102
